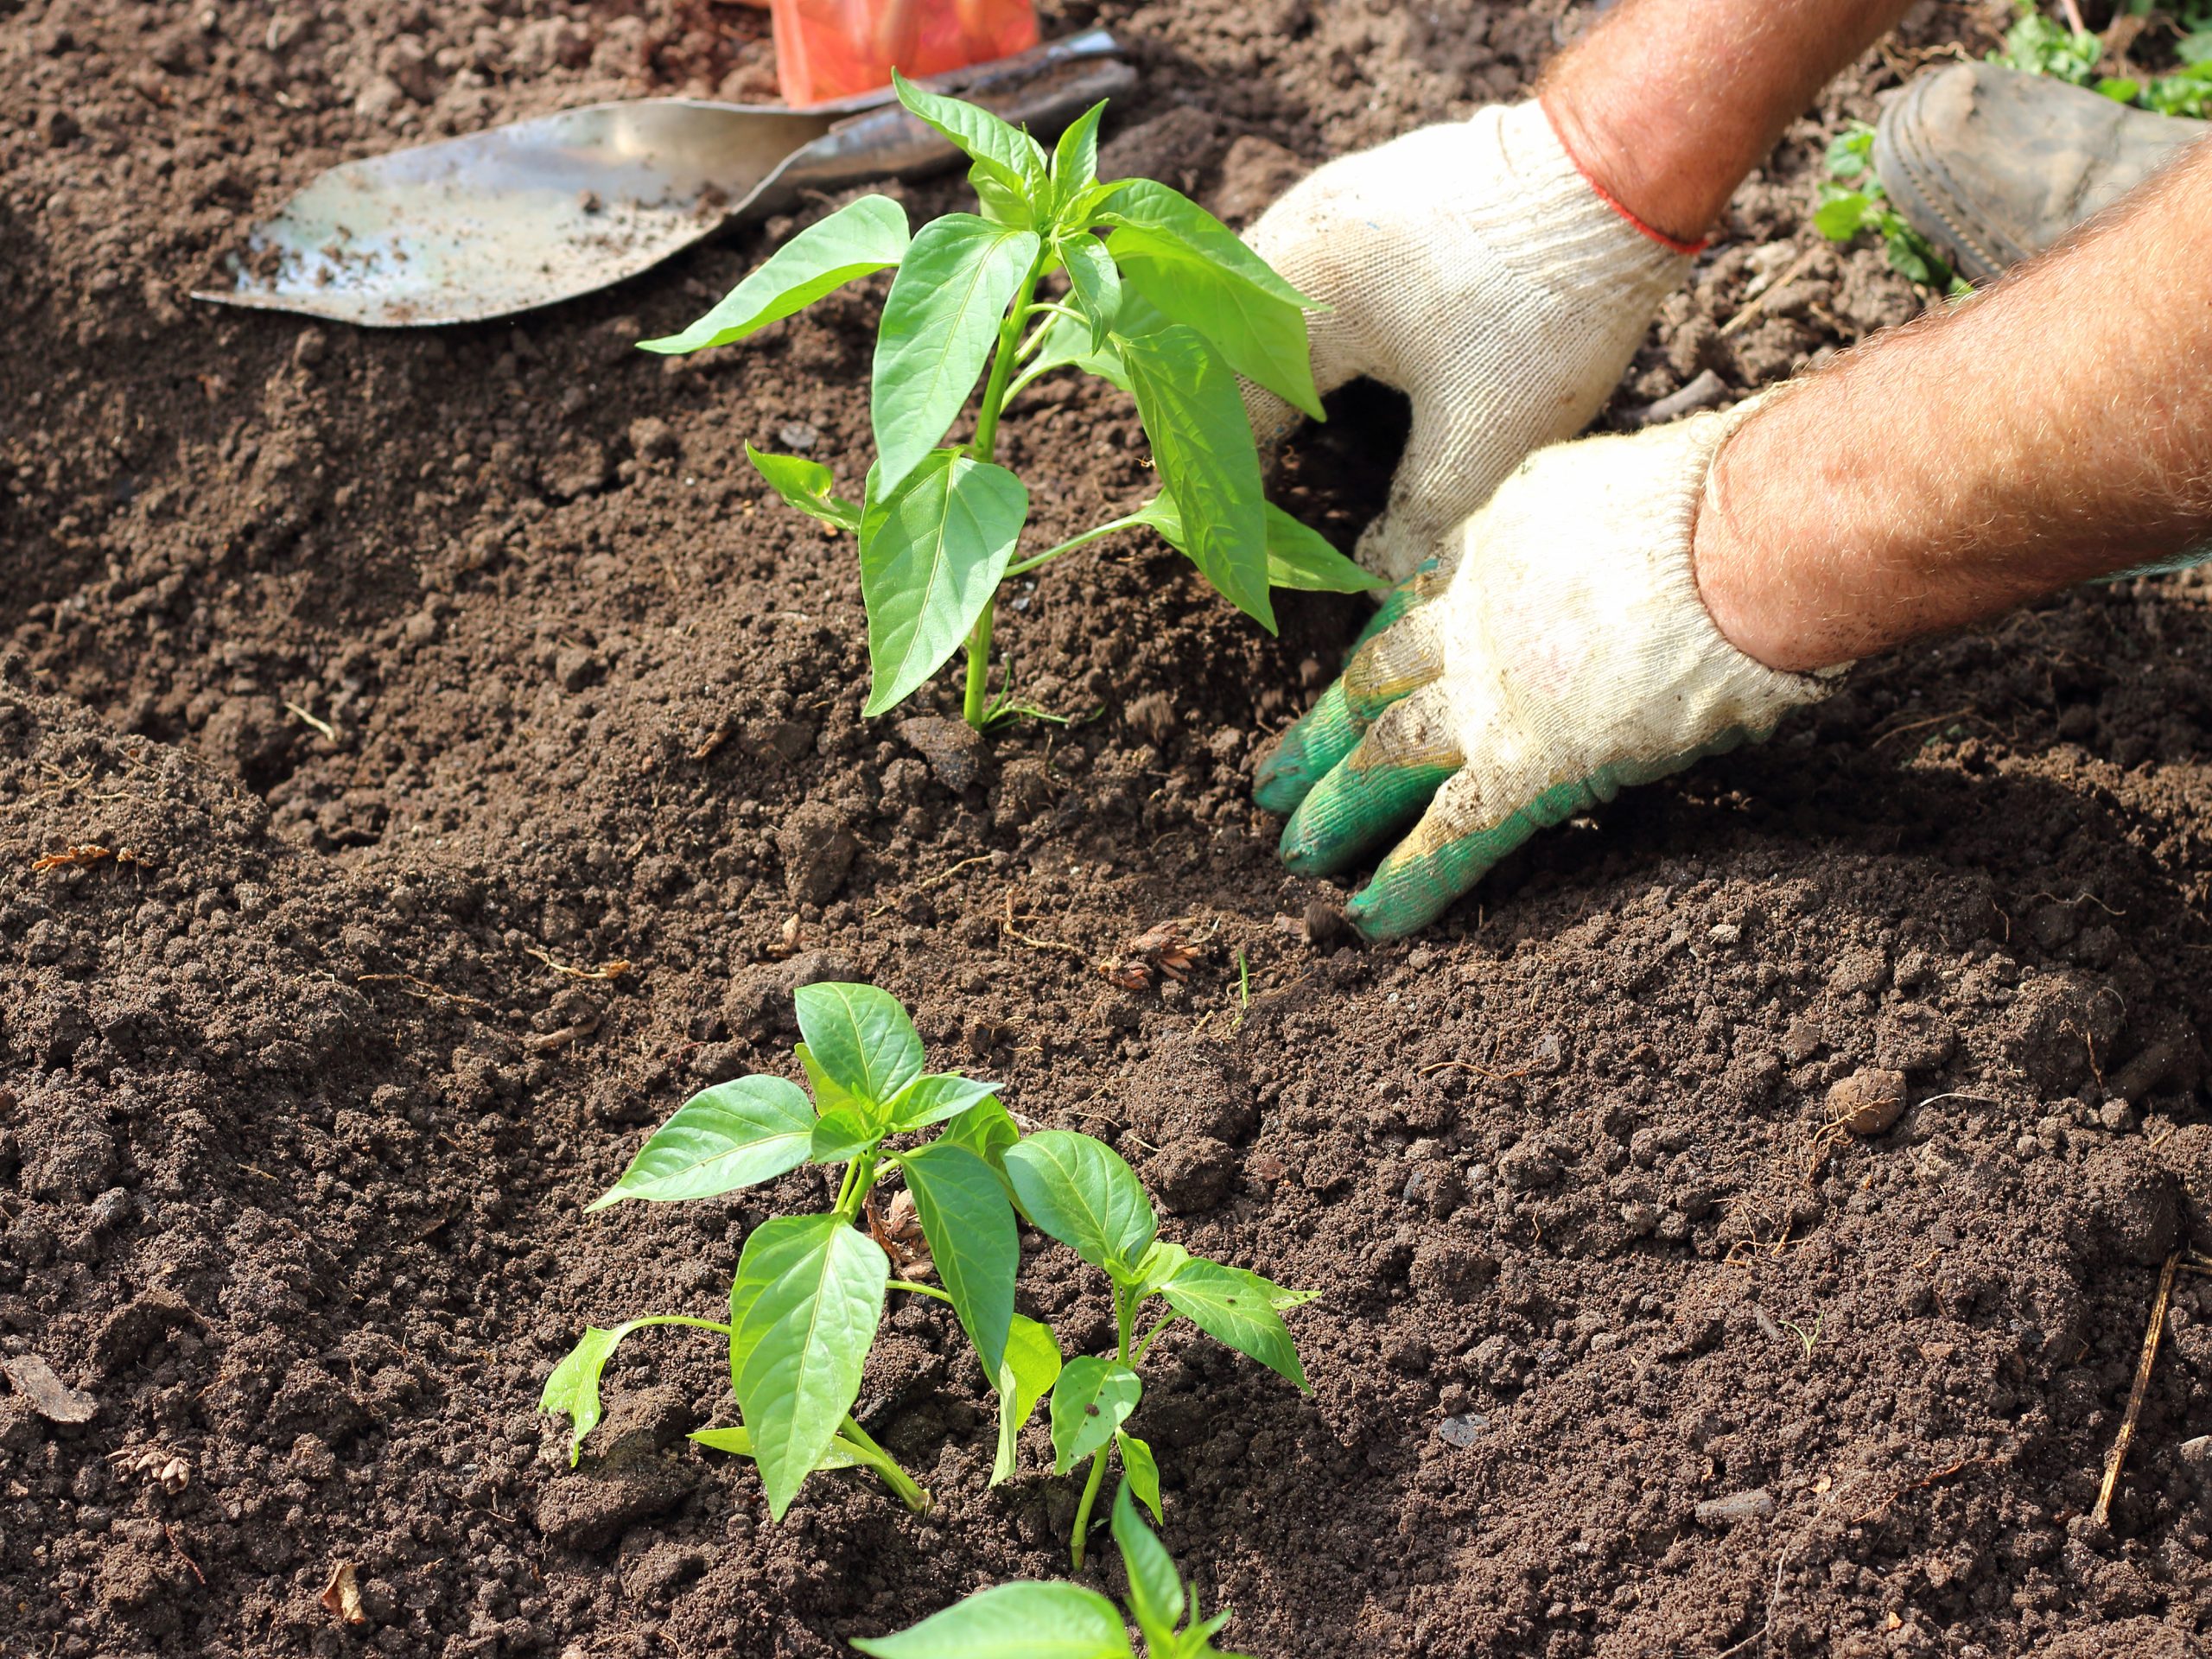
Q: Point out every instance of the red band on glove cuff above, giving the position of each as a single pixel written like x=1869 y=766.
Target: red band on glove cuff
x=1673 y=243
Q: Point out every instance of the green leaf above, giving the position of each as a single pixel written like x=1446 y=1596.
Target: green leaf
x=932 y=565
x=969 y=1226
x=1012 y=1621
x=860 y=237
x=1851 y=151
x=1075 y=160
x=1161 y=1262
x=1236 y=1307
x=1004 y=202
x=1093 y=1398
x=1081 y=1192
x=2121 y=89
x=861 y=1039
x=843 y=1132
x=1299 y=557
x=732 y=1135
x=830 y=1095
x=1141 y=1470
x=1093 y=283
x=1840 y=217
x=979 y=135
x=986 y=1128
x=572 y=1390
x=808 y=486
x=1066 y=344
x=1198 y=271
x=939 y=325
x=1202 y=443
x=1026 y=1374
x=934 y=1096
x=738 y=1442
x=1155 y=1591
x=804 y=1310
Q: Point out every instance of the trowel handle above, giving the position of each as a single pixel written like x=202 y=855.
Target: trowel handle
x=1044 y=89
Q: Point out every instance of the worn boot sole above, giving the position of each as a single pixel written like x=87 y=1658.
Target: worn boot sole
x=1992 y=166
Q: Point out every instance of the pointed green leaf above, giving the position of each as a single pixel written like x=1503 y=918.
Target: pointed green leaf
x=732 y=1135
x=986 y=1129
x=1146 y=205
x=1031 y=1367
x=1075 y=160
x=860 y=237
x=1236 y=1308
x=804 y=1310
x=1161 y=1262
x=1202 y=443
x=969 y=1226
x=1141 y=1471
x=939 y=324
x=978 y=134
x=1299 y=557
x=572 y=1390
x=1093 y=1398
x=932 y=565
x=861 y=1039
x=843 y=1132
x=1066 y=344
x=1012 y=1621
x=1081 y=1192
x=1003 y=201
x=1094 y=284
x=1155 y=1590
x=738 y=1442
x=933 y=1097
x=808 y=486
x=830 y=1095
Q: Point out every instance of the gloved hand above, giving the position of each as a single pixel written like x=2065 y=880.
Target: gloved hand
x=1474 y=269
x=1567 y=654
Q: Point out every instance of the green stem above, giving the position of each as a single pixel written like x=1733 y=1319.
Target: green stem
x=1150 y=1336
x=859 y=1176
x=678 y=1318
x=885 y=1465
x=976 y=705
x=1082 y=1510
x=1127 y=521
x=918 y=1290
x=976 y=708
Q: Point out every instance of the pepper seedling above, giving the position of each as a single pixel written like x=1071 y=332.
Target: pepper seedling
x=1080 y=1191
x=1167 y=304
x=1069 y=1621
x=809 y=1290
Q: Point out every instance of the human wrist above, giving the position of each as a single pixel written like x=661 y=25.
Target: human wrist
x=1658 y=186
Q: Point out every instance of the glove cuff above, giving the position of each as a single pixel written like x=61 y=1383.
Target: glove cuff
x=1555 y=227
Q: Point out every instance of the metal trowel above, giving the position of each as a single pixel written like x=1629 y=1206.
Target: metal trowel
x=543 y=210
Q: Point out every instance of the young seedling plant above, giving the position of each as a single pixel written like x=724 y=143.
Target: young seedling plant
x=1068 y=1621
x=1080 y=1191
x=1166 y=303
x=809 y=1292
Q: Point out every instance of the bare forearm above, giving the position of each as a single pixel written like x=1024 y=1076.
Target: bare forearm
x=1669 y=104
x=2056 y=427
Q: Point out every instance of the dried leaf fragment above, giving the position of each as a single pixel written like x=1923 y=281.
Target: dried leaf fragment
x=52 y=1398
x=71 y=857
x=342 y=1595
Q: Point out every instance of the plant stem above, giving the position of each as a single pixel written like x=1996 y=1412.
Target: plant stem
x=1082 y=1510
x=918 y=1290
x=1127 y=521
x=1150 y=1336
x=679 y=1318
x=976 y=706
x=859 y=1176
x=885 y=1465
x=978 y=703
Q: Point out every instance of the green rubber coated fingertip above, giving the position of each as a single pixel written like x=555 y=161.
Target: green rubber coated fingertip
x=1307 y=753
x=1426 y=874
x=1354 y=809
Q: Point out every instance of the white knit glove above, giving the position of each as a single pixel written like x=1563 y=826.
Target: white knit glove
x=1472 y=268
x=1567 y=654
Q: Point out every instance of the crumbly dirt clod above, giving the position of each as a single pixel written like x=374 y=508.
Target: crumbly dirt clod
x=477 y=750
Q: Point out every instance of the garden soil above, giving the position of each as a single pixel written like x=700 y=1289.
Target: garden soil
x=426 y=758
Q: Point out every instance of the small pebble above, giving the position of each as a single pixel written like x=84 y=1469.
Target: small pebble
x=1867 y=1102
x=1757 y=1505
x=1462 y=1430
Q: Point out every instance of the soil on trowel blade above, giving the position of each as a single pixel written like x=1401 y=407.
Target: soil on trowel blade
x=425 y=758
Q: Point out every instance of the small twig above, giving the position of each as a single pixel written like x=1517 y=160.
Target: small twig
x=1759 y=301
x=419 y=988
x=2101 y=1515
x=614 y=970
x=938 y=879
x=183 y=1556
x=1012 y=932
x=71 y=857
x=323 y=726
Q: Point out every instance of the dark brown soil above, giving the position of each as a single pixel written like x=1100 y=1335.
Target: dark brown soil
x=403 y=673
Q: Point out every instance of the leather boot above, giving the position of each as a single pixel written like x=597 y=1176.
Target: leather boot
x=1991 y=165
